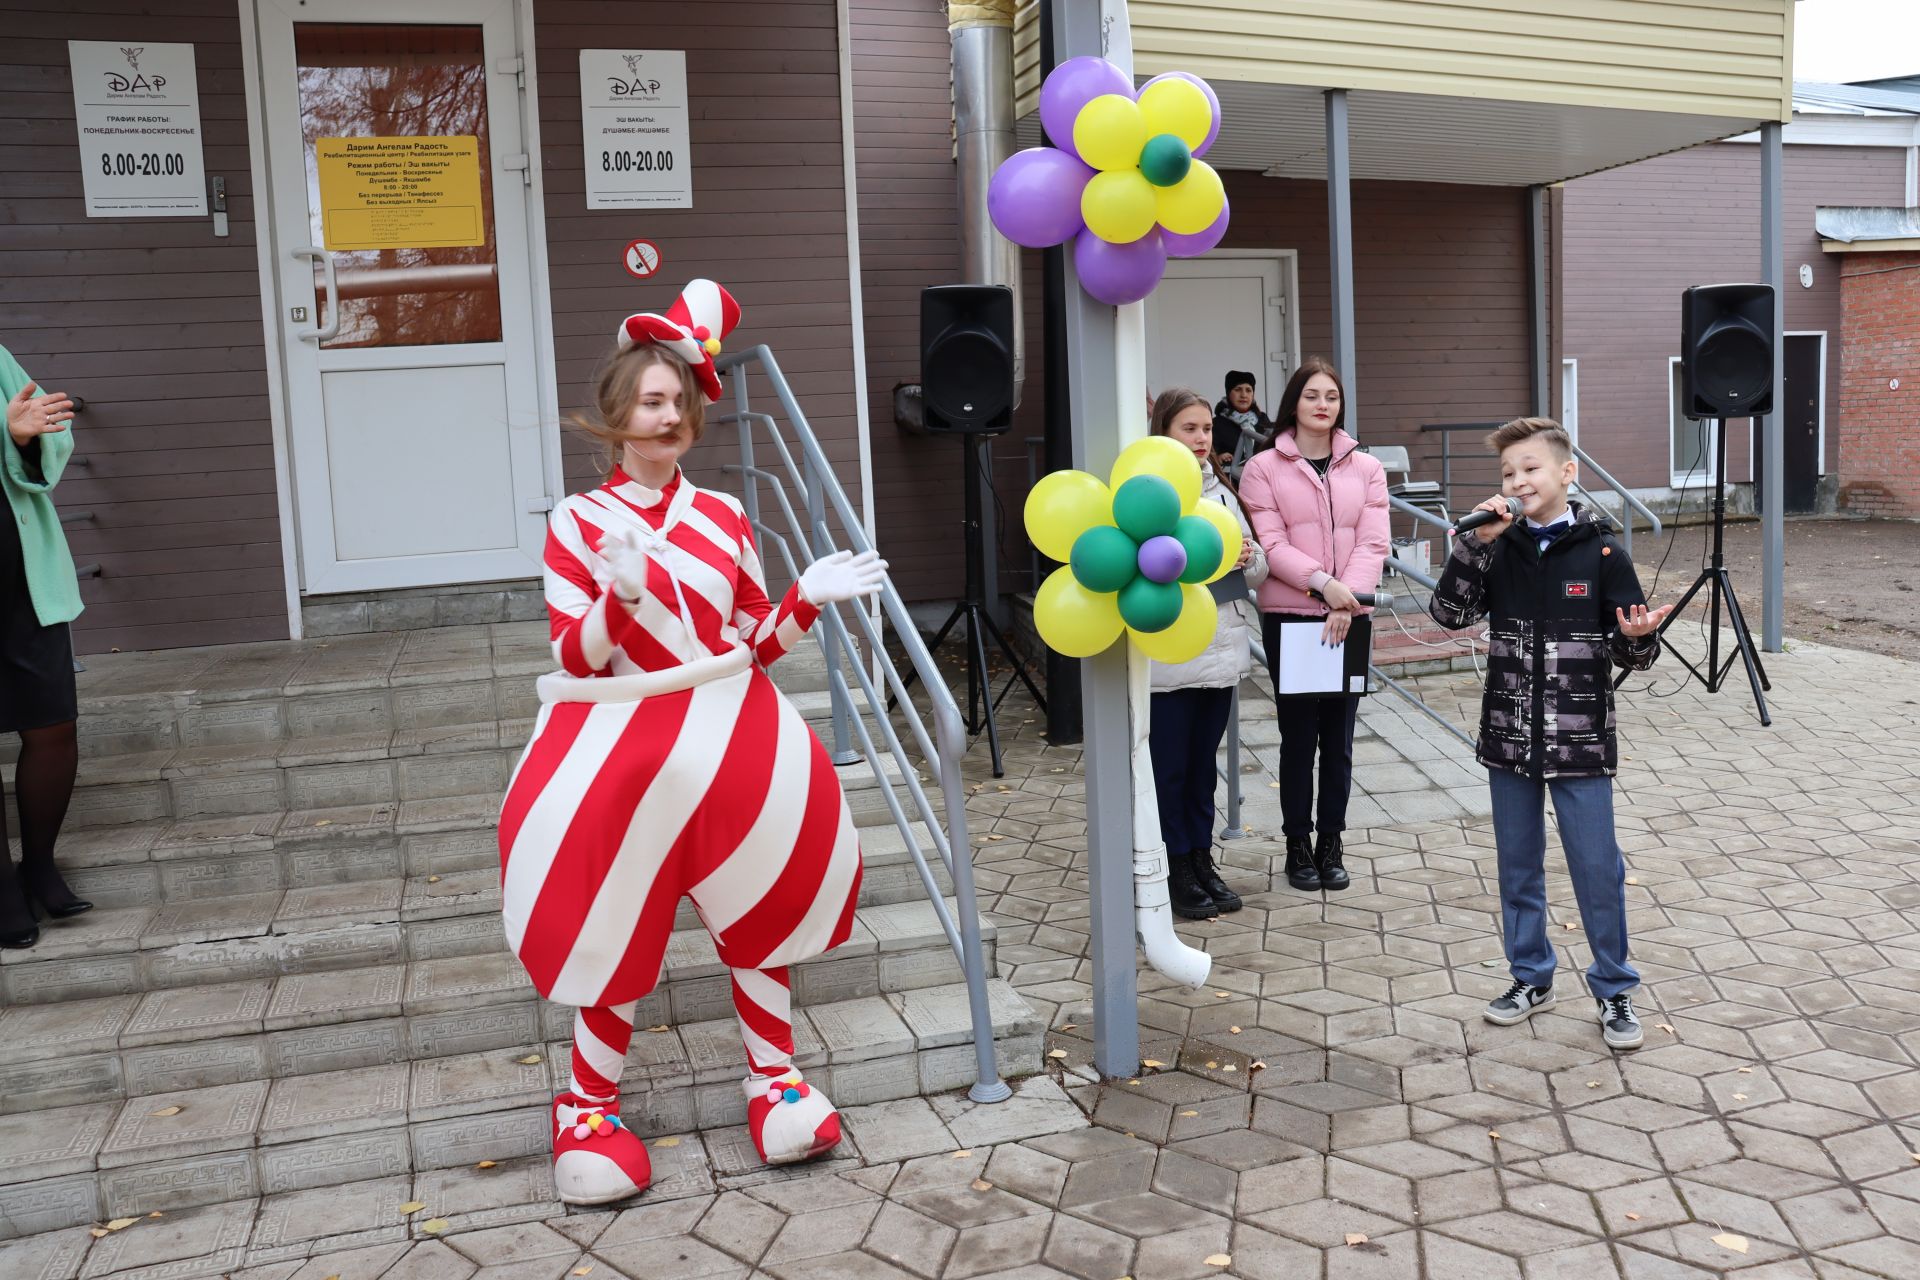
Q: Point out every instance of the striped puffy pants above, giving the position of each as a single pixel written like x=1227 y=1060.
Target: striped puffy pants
x=762 y=1000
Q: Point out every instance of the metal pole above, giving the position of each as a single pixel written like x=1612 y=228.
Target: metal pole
x=1542 y=374
x=1340 y=249
x=1103 y=685
x=1773 y=532
x=817 y=542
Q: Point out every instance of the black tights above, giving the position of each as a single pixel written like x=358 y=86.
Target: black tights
x=42 y=788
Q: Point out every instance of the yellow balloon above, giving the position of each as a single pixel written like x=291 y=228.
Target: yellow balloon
x=1190 y=633
x=1109 y=132
x=1119 y=206
x=1064 y=505
x=1073 y=620
x=1190 y=205
x=1177 y=107
x=1217 y=515
x=1159 y=456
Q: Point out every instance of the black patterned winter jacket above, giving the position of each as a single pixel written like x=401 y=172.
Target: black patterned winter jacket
x=1548 y=707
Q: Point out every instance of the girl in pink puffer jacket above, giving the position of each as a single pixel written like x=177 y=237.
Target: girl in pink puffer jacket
x=1319 y=507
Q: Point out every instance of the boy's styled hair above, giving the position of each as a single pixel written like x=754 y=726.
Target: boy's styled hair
x=1546 y=430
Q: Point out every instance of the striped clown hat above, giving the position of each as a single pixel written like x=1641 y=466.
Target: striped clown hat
x=693 y=329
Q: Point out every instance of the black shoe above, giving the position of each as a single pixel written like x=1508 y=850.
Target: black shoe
x=17 y=925
x=1208 y=877
x=1326 y=859
x=45 y=885
x=1301 y=873
x=1190 y=901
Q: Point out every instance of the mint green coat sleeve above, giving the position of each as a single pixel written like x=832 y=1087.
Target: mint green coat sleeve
x=51 y=584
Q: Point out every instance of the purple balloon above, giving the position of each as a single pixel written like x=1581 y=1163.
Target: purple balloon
x=1213 y=99
x=1034 y=198
x=1163 y=559
x=1071 y=86
x=1117 y=274
x=1179 y=246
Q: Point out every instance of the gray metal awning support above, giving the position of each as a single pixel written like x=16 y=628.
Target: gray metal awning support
x=1773 y=533
x=1542 y=350
x=1340 y=247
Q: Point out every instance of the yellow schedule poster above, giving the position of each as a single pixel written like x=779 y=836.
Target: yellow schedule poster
x=400 y=193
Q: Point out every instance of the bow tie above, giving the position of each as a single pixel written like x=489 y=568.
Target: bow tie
x=1546 y=534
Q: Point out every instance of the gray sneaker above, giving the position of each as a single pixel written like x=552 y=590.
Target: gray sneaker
x=1618 y=1023
x=1518 y=1003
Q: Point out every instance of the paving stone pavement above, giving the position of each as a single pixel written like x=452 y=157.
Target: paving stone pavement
x=1331 y=1106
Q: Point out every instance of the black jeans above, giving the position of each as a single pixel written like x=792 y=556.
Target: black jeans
x=1309 y=726
x=1187 y=724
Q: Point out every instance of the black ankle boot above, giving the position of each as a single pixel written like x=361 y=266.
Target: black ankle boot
x=1190 y=901
x=46 y=886
x=1301 y=873
x=1326 y=858
x=17 y=925
x=1207 y=876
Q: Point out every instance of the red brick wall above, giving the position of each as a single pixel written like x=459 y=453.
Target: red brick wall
x=1880 y=324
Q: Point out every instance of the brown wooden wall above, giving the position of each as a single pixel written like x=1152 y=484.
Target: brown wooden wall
x=769 y=209
x=155 y=322
x=1638 y=235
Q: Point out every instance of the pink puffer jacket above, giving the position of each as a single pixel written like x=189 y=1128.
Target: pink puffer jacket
x=1314 y=529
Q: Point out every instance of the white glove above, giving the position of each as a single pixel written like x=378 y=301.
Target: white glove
x=627 y=560
x=842 y=576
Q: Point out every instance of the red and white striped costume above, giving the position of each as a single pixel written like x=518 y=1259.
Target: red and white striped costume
x=664 y=762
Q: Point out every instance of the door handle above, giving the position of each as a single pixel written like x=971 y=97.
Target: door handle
x=320 y=333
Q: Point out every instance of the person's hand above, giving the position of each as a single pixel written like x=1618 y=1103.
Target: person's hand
x=1338 y=622
x=1641 y=621
x=29 y=416
x=842 y=576
x=1339 y=595
x=1246 y=554
x=627 y=560
x=1488 y=532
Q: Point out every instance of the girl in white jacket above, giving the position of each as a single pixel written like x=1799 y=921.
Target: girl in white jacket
x=1193 y=700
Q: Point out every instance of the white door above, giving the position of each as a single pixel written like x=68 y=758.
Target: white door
x=1222 y=312
x=412 y=413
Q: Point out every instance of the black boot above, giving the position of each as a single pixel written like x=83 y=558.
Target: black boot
x=1301 y=873
x=1326 y=858
x=1208 y=877
x=46 y=886
x=17 y=925
x=1190 y=901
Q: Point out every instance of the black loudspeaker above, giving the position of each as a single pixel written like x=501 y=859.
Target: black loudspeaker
x=966 y=358
x=1726 y=350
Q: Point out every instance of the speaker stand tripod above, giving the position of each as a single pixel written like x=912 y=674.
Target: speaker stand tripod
x=1720 y=587
x=981 y=704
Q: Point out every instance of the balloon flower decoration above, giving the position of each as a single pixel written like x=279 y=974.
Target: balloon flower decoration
x=1123 y=179
x=1137 y=554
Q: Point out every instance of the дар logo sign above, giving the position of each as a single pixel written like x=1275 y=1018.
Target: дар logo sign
x=634 y=83
x=134 y=83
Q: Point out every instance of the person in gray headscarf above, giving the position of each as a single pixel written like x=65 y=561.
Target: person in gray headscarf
x=1239 y=427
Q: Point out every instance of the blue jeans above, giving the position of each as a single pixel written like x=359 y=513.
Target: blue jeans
x=1584 y=808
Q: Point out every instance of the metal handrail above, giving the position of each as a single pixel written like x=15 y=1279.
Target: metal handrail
x=803 y=541
x=1633 y=504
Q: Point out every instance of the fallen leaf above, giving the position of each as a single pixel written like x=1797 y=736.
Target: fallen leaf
x=1488 y=964
x=434 y=1226
x=121 y=1224
x=1233 y=1031
x=1494 y=1134
x=1568 y=924
x=1664 y=1027
x=413 y=1206
x=1256 y=1066
x=1354 y=1237
x=996 y=837
x=1056 y=1054
x=1633 y=879
x=1593 y=1084
x=1068 y=1026
x=1229 y=1067
x=1189 y=1114
x=165 y=1111
x=666 y=1142
x=433 y=879
x=529 y=1060
x=1633 y=1217
x=97 y=1232
x=962 y=1154
x=1153 y=1062
x=1745 y=1071
x=486 y=1164
x=324 y=822
x=657 y=1030
x=1135 y=1082
x=1728 y=1240
x=1218 y=1259
x=1223 y=995
x=584 y=1271
x=156 y=1214
x=981 y=1184
x=1213 y=1066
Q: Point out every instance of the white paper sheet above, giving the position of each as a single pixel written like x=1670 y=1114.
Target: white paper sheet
x=1307 y=665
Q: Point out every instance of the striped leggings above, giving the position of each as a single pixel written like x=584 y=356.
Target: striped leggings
x=762 y=1000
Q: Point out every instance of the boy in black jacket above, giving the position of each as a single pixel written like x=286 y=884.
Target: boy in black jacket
x=1565 y=605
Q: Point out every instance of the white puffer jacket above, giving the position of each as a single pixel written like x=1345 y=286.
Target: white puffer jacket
x=1227 y=660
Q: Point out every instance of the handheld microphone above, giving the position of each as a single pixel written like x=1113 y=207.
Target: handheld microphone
x=1366 y=599
x=1474 y=519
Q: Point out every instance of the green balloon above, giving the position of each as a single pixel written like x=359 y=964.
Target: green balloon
x=1146 y=507
x=1146 y=605
x=1104 y=559
x=1165 y=159
x=1203 y=545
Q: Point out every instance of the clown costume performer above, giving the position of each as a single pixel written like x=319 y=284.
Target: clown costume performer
x=664 y=762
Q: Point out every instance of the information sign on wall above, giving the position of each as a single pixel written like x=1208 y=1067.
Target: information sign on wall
x=137 y=109
x=633 y=115
x=400 y=193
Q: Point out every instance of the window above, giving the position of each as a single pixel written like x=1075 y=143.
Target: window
x=1690 y=446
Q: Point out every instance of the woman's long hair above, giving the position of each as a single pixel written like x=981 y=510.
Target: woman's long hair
x=618 y=386
x=1284 y=418
x=1170 y=404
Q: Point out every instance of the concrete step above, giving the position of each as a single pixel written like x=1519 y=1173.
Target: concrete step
x=175 y=1148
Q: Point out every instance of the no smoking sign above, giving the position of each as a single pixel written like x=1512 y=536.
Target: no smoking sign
x=643 y=258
